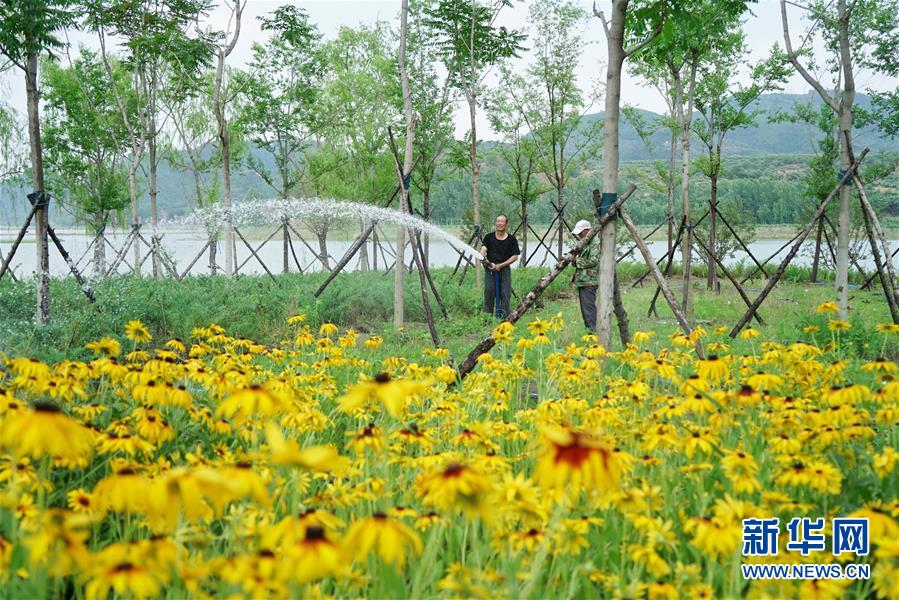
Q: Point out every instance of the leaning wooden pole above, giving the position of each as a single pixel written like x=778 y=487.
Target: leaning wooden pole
x=82 y=283
x=18 y=240
x=489 y=342
x=660 y=281
x=729 y=276
x=889 y=276
x=800 y=239
x=886 y=281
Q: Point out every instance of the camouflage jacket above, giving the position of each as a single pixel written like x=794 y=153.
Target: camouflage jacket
x=586 y=265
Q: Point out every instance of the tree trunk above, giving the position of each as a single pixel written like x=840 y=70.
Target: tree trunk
x=846 y=118
x=606 y=284
x=153 y=191
x=321 y=234
x=672 y=155
x=426 y=210
x=814 y=277
x=37 y=174
x=363 y=249
x=218 y=107
x=399 y=271
x=100 y=247
x=686 y=118
x=713 y=233
x=524 y=234
x=560 y=203
x=475 y=171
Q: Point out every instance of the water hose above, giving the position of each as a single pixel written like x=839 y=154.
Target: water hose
x=497 y=305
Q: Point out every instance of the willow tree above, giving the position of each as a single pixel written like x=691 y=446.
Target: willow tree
x=470 y=44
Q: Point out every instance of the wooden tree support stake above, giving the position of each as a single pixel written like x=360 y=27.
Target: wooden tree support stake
x=15 y=245
x=729 y=276
x=660 y=281
x=253 y=252
x=85 y=287
x=531 y=297
x=772 y=281
x=196 y=258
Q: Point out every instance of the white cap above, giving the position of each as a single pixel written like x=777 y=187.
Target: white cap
x=582 y=225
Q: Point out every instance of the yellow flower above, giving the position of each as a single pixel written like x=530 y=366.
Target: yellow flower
x=838 y=325
x=811 y=329
x=296 y=319
x=106 y=346
x=288 y=452
x=373 y=342
x=642 y=337
x=827 y=307
x=314 y=557
x=122 y=573
x=392 y=393
x=574 y=460
x=46 y=431
x=390 y=539
x=328 y=330
x=749 y=334
x=137 y=332
x=255 y=400
x=503 y=332
x=712 y=369
x=885 y=462
x=455 y=487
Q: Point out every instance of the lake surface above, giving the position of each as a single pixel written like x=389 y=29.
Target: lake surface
x=184 y=244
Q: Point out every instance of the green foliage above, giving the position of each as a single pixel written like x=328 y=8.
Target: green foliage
x=278 y=97
x=467 y=40
x=30 y=27
x=84 y=137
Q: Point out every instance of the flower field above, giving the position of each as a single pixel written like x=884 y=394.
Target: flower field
x=325 y=467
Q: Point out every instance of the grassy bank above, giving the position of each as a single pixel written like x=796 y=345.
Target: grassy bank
x=255 y=307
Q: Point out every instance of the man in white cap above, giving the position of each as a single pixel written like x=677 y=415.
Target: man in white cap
x=584 y=277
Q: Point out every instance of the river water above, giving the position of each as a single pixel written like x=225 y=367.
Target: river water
x=184 y=244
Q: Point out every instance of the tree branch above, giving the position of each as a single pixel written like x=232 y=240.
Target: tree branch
x=794 y=60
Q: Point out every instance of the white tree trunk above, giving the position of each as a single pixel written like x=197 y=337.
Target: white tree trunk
x=37 y=174
x=606 y=289
x=399 y=269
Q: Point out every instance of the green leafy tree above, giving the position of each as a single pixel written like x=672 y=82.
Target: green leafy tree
x=433 y=99
x=360 y=98
x=278 y=97
x=518 y=153
x=550 y=100
x=859 y=34
x=470 y=45
x=84 y=141
x=725 y=105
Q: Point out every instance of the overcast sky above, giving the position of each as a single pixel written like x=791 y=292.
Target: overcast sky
x=763 y=29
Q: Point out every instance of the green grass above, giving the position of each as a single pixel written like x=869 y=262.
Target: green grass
x=255 y=307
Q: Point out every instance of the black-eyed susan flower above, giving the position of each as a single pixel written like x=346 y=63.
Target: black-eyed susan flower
x=46 y=431
x=576 y=460
x=388 y=538
x=137 y=332
x=392 y=393
x=455 y=487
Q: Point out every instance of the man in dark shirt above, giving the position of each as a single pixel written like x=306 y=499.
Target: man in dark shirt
x=500 y=249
